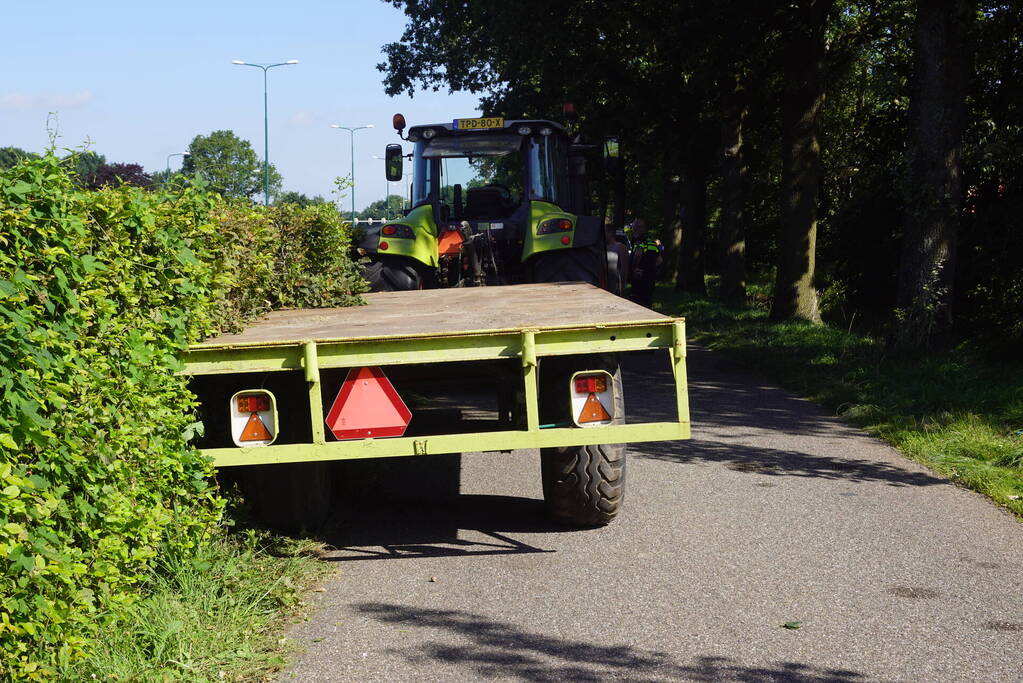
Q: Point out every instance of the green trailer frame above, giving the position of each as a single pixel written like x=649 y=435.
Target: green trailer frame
x=312 y=341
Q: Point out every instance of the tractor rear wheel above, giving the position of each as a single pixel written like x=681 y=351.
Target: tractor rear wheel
x=392 y=274
x=578 y=264
x=583 y=486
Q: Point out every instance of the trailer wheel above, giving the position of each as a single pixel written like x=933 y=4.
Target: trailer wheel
x=579 y=264
x=394 y=274
x=583 y=486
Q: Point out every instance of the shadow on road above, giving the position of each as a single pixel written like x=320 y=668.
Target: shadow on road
x=724 y=400
x=720 y=396
x=781 y=463
x=496 y=649
x=467 y=525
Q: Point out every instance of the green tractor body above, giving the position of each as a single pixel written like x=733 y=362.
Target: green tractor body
x=493 y=202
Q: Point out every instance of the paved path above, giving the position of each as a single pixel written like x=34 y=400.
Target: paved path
x=773 y=513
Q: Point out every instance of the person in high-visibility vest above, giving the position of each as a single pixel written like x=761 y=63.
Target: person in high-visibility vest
x=643 y=263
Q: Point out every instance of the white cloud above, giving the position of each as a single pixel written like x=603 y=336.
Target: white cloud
x=301 y=118
x=16 y=101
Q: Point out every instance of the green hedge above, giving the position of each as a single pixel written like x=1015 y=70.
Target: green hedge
x=99 y=292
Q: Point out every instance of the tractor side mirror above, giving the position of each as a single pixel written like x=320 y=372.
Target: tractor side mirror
x=393 y=163
x=612 y=155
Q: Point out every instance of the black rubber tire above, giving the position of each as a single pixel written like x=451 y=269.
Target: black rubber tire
x=579 y=264
x=392 y=274
x=584 y=486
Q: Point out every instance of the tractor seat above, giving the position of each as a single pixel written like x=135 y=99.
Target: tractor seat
x=486 y=202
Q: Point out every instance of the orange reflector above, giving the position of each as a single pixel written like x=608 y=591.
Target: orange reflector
x=593 y=410
x=255 y=430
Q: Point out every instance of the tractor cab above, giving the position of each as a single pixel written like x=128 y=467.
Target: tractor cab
x=482 y=170
x=487 y=196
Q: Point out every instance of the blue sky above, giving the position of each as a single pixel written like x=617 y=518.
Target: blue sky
x=139 y=80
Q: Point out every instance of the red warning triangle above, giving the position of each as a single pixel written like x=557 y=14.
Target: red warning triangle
x=593 y=410
x=255 y=430
x=367 y=407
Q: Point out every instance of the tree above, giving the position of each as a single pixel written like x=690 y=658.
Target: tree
x=933 y=188
x=732 y=231
x=10 y=156
x=117 y=174
x=392 y=207
x=228 y=164
x=795 y=295
x=85 y=163
x=299 y=198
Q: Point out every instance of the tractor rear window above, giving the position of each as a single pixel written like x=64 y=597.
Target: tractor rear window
x=466 y=146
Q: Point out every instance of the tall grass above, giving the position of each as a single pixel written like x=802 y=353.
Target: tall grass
x=213 y=613
x=959 y=412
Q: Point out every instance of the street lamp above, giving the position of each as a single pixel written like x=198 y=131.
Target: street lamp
x=176 y=154
x=351 y=135
x=266 y=127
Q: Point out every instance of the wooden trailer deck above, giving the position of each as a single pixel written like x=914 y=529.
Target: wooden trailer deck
x=430 y=326
x=445 y=313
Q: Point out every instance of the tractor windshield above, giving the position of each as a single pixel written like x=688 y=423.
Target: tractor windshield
x=512 y=168
x=485 y=166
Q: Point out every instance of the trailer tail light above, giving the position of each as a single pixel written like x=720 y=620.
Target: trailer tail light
x=253 y=418
x=592 y=398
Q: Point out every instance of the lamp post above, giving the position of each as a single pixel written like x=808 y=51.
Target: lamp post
x=351 y=135
x=175 y=154
x=266 y=126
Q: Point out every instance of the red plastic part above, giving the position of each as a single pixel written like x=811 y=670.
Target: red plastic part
x=384 y=245
x=367 y=406
x=566 y=240
x=253 y=403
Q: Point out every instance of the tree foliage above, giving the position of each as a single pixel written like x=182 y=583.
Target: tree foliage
x=762 y=137
x=383 y=209
x=10 y=156
x=228 y=165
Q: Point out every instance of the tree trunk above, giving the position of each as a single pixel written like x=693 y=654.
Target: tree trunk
x=732 y=231
x=933 y=191
x=803 y=98
x=689 y=268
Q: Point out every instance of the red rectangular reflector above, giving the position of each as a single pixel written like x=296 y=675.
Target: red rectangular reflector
x=253 y=403
x=589 y=385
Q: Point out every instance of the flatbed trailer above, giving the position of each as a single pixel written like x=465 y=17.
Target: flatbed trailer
x=525 y=323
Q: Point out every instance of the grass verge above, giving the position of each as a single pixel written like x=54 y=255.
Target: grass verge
x=214 y=613
x=957 y=412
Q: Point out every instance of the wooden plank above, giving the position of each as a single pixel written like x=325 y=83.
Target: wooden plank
x=446 y=312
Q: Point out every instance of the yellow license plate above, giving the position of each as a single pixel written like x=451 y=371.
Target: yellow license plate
x=478 y=124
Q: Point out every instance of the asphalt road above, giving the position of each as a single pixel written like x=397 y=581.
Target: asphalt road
x=775 y=512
